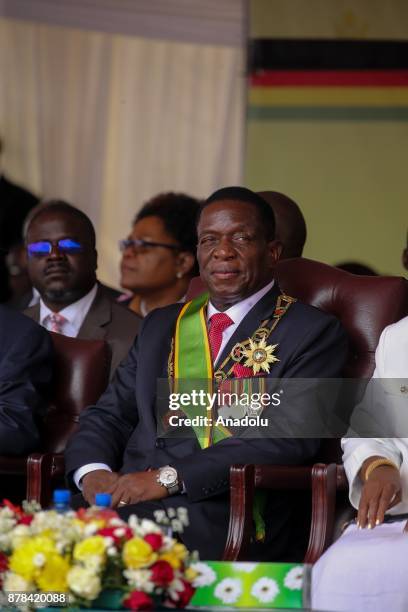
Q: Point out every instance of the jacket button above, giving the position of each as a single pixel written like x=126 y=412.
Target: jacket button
x=159 y=443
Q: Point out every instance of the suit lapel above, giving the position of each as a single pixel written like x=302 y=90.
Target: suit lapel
x=33 y=312
x=262 y=310
x=99 y=315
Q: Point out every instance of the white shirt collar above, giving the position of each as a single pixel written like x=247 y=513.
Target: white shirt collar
x=75 y=313
x=238 y=311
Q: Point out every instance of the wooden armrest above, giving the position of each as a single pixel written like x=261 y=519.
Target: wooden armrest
x=323 y=481
x=42 y=470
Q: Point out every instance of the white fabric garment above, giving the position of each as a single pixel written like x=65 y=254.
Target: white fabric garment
x=236 y=313
x=365 y=570
x=74 y=314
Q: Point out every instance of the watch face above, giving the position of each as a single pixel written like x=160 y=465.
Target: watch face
x=168 y=476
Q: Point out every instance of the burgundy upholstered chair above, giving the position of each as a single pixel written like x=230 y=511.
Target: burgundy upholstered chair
x=364 y=305
x=81 y=373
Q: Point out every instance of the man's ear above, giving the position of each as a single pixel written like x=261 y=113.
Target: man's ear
x=95 y=256
x=185 y=262
x=275 y=251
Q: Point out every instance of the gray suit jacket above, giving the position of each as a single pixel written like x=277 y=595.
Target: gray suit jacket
x=106 y=320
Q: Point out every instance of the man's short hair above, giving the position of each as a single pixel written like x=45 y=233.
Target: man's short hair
x=242 y=194
x=65 y=208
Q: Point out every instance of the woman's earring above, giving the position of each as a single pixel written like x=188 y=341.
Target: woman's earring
x=179 y=274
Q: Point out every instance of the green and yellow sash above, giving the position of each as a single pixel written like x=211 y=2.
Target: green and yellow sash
x=193 y=365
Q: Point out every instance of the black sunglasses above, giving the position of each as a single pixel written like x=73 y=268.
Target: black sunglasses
x=139 y=242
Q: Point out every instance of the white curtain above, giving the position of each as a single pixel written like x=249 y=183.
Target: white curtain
x=107 y=121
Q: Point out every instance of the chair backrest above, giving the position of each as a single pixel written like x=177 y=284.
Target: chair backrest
x=363 y=304
x=81 y=374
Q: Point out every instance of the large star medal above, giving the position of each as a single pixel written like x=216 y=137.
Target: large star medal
x=259 y=355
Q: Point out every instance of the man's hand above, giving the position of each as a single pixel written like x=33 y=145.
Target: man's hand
x=137 y=487
x=98 y=481
x=381 y=491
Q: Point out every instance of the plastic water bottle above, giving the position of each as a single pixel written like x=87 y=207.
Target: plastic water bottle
x=62 y=500
x=103 y=500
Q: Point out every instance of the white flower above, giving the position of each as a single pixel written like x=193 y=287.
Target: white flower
x=84 y=582
x=38 y=560
x=147 y=526
x=228 y=590
x=171 y=513
x=119 y=532
x=116 y=522
x=15 y=582
x=160 y=516
x=294 y=578
x=177 y=526
x=111 y=551
x=206 y=574
x=19 y=533
x=108 y=541
x=265 y=589
x=140 y=579
x=244 y=567
x=175 y=587
x=90 y=529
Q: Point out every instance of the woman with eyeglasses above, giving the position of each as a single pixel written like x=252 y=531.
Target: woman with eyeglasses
x=159 y=255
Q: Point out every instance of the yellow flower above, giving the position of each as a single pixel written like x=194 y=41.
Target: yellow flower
x=83 y=582
x=88 y=549
x=175 y=556
x=23 y=559
x=53 y=576
x=191 y=574
x=138 y=553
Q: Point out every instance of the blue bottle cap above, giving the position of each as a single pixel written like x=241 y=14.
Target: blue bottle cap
x=62 y=496
x=103 y=500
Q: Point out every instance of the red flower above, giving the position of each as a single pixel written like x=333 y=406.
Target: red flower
x=110 y=533
x=155 y=540
x=138 y=601
x=184 y=596
x=15 y=509
x=26 y=519
x=162 y=573
x=3 y=562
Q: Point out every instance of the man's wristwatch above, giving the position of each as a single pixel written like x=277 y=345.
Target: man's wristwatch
x=167 y=477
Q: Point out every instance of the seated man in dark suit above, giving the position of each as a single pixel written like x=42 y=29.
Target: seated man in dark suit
x=25 y=374
x=62 y=261
x=117 y=448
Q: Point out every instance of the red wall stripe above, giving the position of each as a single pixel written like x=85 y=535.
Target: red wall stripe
x=327 y=78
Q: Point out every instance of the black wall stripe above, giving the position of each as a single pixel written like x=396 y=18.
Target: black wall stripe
x=287 y=54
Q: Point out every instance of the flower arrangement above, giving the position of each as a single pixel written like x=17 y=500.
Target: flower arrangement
x=89 y=553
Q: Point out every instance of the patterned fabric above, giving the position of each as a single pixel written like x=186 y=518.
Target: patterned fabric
x=56 y=322
x=241 y=371
x=218 y=322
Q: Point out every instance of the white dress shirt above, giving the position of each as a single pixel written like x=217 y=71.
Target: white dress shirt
x=74 y=314
x=236 y=313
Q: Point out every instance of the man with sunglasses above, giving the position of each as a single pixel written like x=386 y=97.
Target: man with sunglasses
x=62 y=262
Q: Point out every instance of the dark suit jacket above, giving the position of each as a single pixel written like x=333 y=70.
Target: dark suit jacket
x=15 y=203
x=121 y=429
x=106 y=320
x=25 y=374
